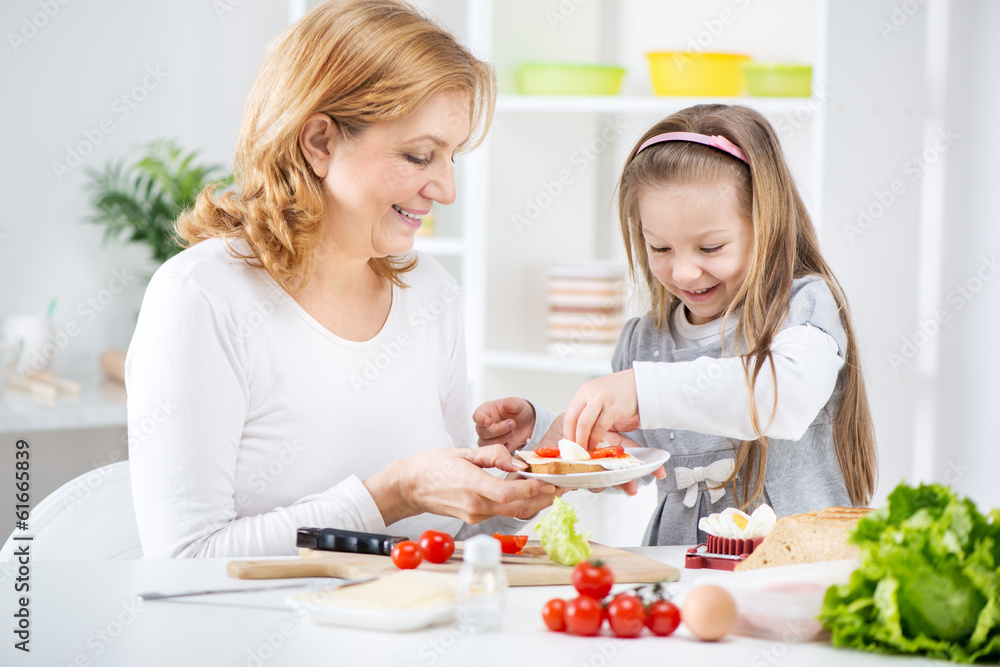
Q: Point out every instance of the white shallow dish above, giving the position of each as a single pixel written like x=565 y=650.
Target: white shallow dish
x=782 y=603
x=651 y=458
x=385 y=620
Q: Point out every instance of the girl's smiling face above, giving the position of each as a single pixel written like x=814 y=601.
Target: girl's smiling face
x=698 y=243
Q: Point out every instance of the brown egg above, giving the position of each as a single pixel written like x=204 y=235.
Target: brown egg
x=709 y=612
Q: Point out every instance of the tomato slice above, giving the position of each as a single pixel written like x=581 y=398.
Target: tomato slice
x=547 y=452
x=511 y=544
x=612 y=452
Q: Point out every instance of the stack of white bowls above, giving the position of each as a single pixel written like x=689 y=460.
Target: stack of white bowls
x=586 y=308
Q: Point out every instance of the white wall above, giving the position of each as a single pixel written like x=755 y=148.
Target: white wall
x=61 y=81
x=874 y=121
x=968 y=356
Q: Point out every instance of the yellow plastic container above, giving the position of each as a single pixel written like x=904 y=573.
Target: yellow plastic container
x=778 y=79
x=689 y=74
x=569 y=79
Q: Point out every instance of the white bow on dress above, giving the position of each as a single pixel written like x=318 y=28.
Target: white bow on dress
x=717 y=473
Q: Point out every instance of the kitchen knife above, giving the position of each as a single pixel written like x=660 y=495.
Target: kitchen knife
x=350 y=541
x=147 y=597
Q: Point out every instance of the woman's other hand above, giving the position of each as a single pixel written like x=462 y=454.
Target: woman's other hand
x=505 y=421
x=453 y=482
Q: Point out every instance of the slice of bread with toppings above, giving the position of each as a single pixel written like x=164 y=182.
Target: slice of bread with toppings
x=557 y=466
x=570 y=458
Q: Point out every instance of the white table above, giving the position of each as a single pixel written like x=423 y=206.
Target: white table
x=86 y=613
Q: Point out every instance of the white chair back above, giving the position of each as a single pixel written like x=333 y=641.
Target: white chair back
x=88 y=518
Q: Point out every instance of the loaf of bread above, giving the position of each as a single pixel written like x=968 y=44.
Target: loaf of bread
x=807 y=538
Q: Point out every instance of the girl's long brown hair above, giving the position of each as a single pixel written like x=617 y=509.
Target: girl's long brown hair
x=785 y=247
x=360 y=62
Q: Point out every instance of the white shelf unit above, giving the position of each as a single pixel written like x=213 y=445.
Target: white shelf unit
x=545 y=362
x=636 y=104
x=498 y=252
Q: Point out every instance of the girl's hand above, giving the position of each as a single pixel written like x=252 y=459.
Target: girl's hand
x=452 y=482
x=506 y=421
x=599 y=405
x=612 y=437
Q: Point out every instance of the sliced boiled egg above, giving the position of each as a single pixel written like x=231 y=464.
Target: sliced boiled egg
x=732 y=523
x=570 y=451
x=761 y=521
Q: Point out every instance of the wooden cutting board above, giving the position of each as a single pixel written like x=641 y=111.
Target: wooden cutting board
x=535 y=569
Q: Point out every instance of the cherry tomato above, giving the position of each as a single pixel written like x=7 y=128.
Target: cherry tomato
x=626 y=615
x=663 y=617
x=554 y=614
x=610 y=452
x=593 y=578
x=547 y=452
x=583 y=616
x=436 y=546
x=511 y=544
x=406 y=555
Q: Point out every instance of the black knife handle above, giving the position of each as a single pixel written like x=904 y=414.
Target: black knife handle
x=350 y=541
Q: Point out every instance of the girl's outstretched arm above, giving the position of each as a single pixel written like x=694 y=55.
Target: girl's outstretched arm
x=710 y=395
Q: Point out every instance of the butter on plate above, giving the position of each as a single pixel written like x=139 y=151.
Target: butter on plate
x=406 y=589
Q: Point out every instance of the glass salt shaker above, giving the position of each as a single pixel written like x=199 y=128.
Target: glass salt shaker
x=482 y=584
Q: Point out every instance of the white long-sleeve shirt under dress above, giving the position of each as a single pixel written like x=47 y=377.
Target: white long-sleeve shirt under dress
x=694 y=403
x=248 y=419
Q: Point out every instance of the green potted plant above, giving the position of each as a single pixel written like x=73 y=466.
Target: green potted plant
x=139 y=202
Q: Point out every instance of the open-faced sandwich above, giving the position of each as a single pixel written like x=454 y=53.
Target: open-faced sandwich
x=570 y=457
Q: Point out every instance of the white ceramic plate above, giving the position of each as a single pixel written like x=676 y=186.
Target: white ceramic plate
x=651 y=460
x=386 y=620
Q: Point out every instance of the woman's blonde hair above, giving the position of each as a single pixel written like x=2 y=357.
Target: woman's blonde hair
x=785 y=247
x=360 y=62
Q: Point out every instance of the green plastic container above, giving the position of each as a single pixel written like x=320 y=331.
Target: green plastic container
x=778 y=79
x=569 y=79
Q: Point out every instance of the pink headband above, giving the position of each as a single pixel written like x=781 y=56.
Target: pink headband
x=717 y=141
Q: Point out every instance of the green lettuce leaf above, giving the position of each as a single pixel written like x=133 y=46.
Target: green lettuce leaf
x=928 y=582
x=557 y=533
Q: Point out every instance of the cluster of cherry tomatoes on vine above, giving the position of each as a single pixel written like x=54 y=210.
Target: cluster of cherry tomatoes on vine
x=626 y=613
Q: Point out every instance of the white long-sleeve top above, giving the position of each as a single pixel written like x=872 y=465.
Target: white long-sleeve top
x=248 y=419
x=709 y=395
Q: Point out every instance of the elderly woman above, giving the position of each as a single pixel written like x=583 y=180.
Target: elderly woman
x=298 y=365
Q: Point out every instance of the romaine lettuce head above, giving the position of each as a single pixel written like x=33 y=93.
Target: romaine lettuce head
x=929 y=579
x=557 y=533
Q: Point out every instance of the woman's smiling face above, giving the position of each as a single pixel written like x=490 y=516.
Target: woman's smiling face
x=699 y=245
x=382 y=182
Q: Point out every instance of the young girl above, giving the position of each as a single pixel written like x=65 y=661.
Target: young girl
x=746 y=369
